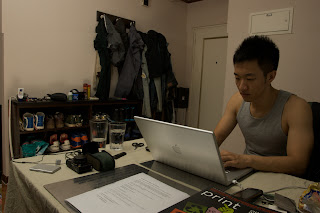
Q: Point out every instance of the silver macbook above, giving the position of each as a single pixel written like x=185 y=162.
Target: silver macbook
x=189 y=149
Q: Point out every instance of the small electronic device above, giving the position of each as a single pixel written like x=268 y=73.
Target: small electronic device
x=20 y=93
x=78 y=162
x=248 y=194
x=45 y=168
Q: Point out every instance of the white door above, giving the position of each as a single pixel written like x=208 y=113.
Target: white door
x=212 y=82
x=208 y=76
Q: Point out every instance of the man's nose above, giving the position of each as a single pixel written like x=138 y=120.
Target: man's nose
x=242 y=85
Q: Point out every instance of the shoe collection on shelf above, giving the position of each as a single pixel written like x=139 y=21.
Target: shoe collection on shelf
x=77 y=140
x=33 y=122
x=54 y=126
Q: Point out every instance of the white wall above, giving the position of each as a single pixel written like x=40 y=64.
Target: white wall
x=48 y=45
x=200 y=14
x=299 y=52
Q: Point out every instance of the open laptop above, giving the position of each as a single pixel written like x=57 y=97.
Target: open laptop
x=189 y=149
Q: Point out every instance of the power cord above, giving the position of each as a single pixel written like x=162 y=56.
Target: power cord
x=71 y=155
x=235 y=182
x=288 y=187
x=34 y=162
x=275 y=190
x=266 y=198
x=58 y=162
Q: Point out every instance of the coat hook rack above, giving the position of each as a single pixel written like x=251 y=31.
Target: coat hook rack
x=114 y=19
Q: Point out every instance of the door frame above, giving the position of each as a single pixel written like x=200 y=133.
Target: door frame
x=199 y=36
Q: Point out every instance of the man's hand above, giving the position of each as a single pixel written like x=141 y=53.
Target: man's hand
x=230 y=159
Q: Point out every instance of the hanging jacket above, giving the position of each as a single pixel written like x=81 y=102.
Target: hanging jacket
x=101 y=45
x=115 y=43
x=160 y=73
x=146 y=109
x=121 y=29
x=157 y=55
x=131 y=65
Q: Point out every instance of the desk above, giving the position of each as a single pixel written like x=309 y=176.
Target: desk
x=26 y=192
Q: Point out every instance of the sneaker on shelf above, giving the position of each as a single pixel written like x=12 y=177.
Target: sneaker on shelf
x=39 y=120
x=71 y=121
x=21 y=125
x=50 y=122
x=78 y=120
x=75 y=141
x=63 y=137
x=84 y=138
x=65 y=145
x=53 y=138
x=54 y=147
x=59 y=118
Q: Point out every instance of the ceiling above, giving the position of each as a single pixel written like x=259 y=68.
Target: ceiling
x=190 y=1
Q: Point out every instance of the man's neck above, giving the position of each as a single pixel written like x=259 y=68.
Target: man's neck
x=264 y=104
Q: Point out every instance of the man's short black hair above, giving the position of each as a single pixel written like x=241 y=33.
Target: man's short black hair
x=260 y=48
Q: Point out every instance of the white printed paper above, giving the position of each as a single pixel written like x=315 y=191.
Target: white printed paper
x=139 y=193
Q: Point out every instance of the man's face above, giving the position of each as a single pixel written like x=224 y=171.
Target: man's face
x=250 y=80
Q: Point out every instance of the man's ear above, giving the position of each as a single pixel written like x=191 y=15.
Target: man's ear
x=271 y=76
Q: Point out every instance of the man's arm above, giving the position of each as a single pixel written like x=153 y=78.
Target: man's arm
x=228 y=120
x=298 y=117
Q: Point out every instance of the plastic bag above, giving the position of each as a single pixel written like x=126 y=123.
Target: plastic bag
x=310 y=199
x=36 y=147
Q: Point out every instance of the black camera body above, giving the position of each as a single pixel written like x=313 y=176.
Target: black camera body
x=79 y=164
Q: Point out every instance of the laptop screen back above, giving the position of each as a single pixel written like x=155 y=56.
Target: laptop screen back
x=186 y=148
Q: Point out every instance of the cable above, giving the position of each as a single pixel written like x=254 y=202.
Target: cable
x=275 y=190
x=72 y=154
x=288 y=187
x=267 y=199
x=35 y=162
x=237 y=183
x=58 y=162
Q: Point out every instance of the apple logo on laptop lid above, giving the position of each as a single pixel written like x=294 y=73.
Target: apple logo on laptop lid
x=176 y=149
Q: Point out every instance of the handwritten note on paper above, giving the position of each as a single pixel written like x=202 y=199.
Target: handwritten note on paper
x=139 y=193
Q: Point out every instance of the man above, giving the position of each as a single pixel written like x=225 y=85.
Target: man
x=277 y=125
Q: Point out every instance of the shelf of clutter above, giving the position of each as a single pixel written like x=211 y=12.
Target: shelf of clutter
x=64 y=125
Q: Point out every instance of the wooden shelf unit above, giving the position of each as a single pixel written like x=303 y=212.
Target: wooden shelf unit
x=86 y=108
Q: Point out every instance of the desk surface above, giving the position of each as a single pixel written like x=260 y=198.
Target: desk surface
x=26 y=188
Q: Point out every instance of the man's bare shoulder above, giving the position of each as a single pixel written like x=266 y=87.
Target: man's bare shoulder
x=235 y=102
x=295 y=103
x=297 y=106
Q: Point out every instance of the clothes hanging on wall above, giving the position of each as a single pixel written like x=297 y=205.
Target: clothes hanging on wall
x=96 y=74
x=145 y=74
x=131 y=65
x=146 y=109
x=101 y=45
x=158 y=56
x=115 y=43
x=121 y=28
